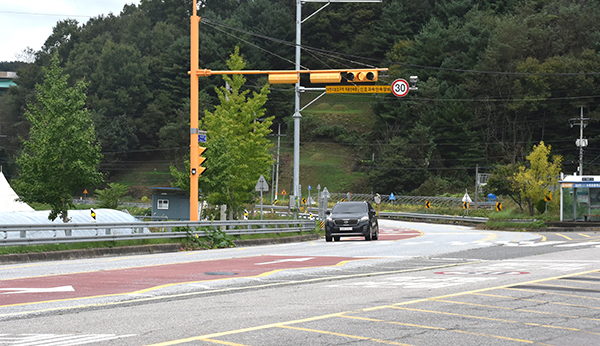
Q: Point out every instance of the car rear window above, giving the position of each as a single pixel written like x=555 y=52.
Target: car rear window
x=350 y=208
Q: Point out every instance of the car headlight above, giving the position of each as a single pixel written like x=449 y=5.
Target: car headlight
x=364 y=218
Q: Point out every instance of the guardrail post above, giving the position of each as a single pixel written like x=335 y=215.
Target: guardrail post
x=23 y=234
x=68 y=232
x=107 y=231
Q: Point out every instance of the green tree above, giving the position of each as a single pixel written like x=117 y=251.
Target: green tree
x=237 y=149
x=61 y=155
x=501 y=183
x=534 y=182
x=109 y=197
x=239 y=122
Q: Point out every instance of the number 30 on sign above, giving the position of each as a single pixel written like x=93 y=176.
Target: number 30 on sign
x=400 y=87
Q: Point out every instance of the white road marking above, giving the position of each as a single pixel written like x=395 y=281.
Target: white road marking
x=56 y=339
x=416 y=282
x=15 y=290
x=579 y=244
x=286 y=260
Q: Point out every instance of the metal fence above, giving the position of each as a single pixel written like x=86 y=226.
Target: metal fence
x=411 y=200
x=66 y=233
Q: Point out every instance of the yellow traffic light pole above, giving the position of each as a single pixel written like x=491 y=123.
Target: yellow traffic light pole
x=275 y=77
x=194 y=112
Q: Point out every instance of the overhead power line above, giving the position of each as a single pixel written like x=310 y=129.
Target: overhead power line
x=325 y=51
x=46 y=14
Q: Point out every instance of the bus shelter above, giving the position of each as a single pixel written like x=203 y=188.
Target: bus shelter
x=580 y=198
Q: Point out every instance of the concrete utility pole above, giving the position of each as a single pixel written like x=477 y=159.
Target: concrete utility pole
x=299 y=89
x=581 y=142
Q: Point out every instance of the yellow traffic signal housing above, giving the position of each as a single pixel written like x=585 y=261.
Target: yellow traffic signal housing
x=284 y=78
x=362 y=75
x=201 y=159
x=325 y=77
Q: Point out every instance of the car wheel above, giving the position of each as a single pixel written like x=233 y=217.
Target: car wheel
x=376 y=234
x=328 y=238
x=336 y=238
x=368 y=235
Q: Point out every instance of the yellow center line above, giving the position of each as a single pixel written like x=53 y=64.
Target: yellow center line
x=493 y=319
x=346 y=335
x=444 y=329
x=536 y=301
x=564 y=236
x=570 y=287
x=512 y=309
x=550 y=293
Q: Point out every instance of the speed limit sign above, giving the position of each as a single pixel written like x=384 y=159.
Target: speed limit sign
x=400 y=88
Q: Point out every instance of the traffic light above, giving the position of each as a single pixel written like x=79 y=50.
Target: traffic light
x=201 y=159
x=366 y=75
x=284 y=78
x=325 y=77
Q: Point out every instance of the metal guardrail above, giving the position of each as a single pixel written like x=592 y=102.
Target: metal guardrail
x=434 y=217
x=147 y=230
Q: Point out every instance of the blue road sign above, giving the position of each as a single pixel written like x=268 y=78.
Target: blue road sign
x=392 y=197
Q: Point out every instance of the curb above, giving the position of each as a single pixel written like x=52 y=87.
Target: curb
x=133 y=250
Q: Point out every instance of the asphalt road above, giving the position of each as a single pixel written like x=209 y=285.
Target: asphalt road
x=421 y=284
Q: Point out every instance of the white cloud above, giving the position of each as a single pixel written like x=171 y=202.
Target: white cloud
x=28 y=23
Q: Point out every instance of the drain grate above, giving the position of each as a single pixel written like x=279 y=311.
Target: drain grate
x=220 y=273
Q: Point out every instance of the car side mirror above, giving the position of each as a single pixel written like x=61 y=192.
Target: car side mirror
x=328 y=213
x=373 y=211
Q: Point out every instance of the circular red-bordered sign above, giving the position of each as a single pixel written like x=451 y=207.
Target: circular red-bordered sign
x=400 y=88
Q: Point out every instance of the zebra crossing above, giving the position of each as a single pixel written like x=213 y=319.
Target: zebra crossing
x=56 y=339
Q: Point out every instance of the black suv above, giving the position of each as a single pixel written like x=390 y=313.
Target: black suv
x=348 y=219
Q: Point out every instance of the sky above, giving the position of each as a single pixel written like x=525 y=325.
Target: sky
x=28 y=23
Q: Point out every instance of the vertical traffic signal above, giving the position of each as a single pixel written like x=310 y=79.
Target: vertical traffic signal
x=198 y=170
x=201 y=159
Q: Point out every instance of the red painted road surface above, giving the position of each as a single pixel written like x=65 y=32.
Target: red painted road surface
x=132 y=280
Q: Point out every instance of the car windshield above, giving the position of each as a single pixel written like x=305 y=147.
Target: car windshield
x=350 y=208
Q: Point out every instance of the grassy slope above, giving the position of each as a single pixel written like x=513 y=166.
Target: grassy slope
x=322 y=161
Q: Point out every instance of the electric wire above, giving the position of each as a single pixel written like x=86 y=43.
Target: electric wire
x=325 y=51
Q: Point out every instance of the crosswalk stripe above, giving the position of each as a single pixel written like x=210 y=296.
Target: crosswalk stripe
x=56 y=339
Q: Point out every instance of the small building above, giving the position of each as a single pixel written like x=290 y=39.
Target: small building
x=580 y=198
x=6 y=80
x=170 y=203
